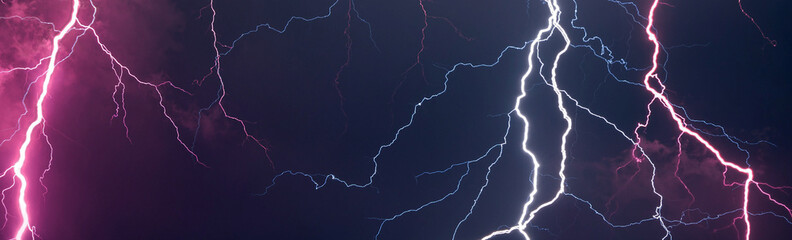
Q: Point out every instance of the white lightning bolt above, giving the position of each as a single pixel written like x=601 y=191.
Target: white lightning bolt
x=553 y=24
x=528 y=213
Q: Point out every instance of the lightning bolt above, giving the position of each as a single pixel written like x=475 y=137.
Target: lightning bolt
x=528 y=214
x=21 y=200
x=680 y=122
x=119 y=69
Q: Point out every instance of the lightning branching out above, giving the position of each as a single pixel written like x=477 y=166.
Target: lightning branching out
x=529 y=211
x=17 y=168
x=652 y=83
x=120 y=70
x=528 y=214
x=680 y=122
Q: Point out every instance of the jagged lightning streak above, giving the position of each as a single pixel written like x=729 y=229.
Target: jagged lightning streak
x=222 y=91
x=658 y=96
x=119 y=70
x=553 y=24
x=18 y=127
x=771 y=41
x=25 y=225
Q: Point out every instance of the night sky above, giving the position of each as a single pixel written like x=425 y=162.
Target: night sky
x=343 y=119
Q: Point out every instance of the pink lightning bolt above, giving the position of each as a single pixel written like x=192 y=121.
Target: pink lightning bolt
x=771 y=41
x=25 y=226
x=658 y=95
